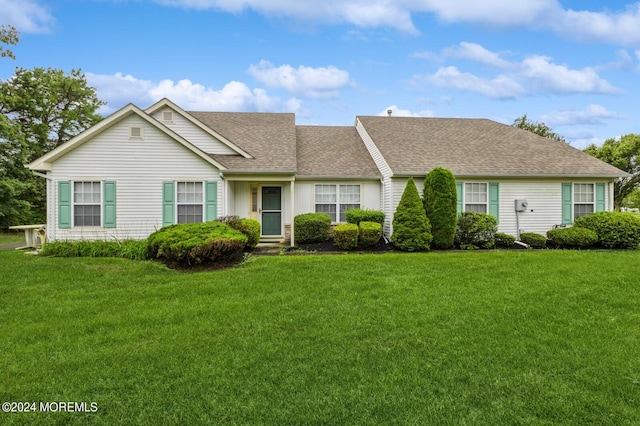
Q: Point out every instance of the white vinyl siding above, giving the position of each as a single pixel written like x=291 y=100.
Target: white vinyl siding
x=139 y=168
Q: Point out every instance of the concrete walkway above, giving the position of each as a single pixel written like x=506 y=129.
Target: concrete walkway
x=11 y=246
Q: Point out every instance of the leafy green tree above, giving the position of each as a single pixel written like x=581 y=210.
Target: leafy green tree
x=8 y=36
x=40 y=109
x=439 y=198
x=539 y=129
x=633 y=200
x=411 y=228
x=623 y=153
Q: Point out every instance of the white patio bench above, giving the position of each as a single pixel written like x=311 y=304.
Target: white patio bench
x=31 y=234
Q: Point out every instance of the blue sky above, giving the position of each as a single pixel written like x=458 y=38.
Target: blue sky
x=574 y=65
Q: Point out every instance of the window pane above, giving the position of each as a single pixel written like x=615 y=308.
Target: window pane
x=190 y=213
x=350 y=194
x=344 y=208
x=87 y=197
x=478 y=208
x=581 y=210
x=325 y=193
x=329 y=209
x=583 y=193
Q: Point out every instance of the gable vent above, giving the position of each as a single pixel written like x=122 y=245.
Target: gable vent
x=167 y=116
x=136 y=132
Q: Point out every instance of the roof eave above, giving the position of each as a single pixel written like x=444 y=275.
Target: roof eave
x=337 y=177
x=520 y=175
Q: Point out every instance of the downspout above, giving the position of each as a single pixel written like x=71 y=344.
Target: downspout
x=292 y=230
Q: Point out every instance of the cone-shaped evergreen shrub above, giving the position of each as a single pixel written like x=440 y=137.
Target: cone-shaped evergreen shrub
x=411 y=228
x=439 y=198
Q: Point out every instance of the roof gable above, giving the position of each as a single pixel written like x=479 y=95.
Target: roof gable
x=476 y=147
x=166 y=103
x=44 y=163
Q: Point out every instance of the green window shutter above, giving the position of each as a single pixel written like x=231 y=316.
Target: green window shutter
x=168 y=203
x=567 y=203
x=64 y=204
x=494 y=200
x=211 y=201
x=109 y=205
x=600 y=192
x=459 y=197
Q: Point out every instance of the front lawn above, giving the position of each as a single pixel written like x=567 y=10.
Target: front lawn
x=9 y=237
x=544 y=337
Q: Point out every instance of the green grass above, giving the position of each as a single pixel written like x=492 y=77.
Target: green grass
x=545 y=337
x=11 y=237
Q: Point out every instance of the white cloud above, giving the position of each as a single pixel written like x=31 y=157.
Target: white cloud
x=500 y=87
x=477 y=53
x=593 y=114
x=609 y=27
x=118 y=90
x=26 y=15
x=532 y=75
x=547 y=77
x=321 y=82
x=618 y=27
x=398 y=112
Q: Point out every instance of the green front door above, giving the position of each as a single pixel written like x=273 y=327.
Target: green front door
x=271 y=211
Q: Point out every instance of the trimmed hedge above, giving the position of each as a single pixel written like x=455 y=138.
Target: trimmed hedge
x=533 y=240
x=370 y=233
x=411 y=228
x=312 y=227
x=614 y=229
x=345 y=236
x=574 y=237
x=205 y=243
x=364 y=215
x=249 y=227
x=504 y=240
x=440 y=205
x=476 y=230
x=127 y=249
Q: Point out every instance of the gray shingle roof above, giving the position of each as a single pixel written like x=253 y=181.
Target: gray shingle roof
x=335 y=151
x=476 y=147
x=268 y=137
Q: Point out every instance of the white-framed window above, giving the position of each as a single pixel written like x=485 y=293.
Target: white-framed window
x=475 y=197
x=336 y=199
x=583 y=199
x=189 y=202
x=87 y=203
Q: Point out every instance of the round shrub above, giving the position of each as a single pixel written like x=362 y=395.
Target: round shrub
x=533 y=240
x=249 y=227
x=504 y=240
x=439 y=198
x=364 y=215
x=411 y=228
x=312 y=227
x=614 y=229
x=476 y=230
x=573 y=237
x=370 y=233
x=345 y=236
x=207 y=243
